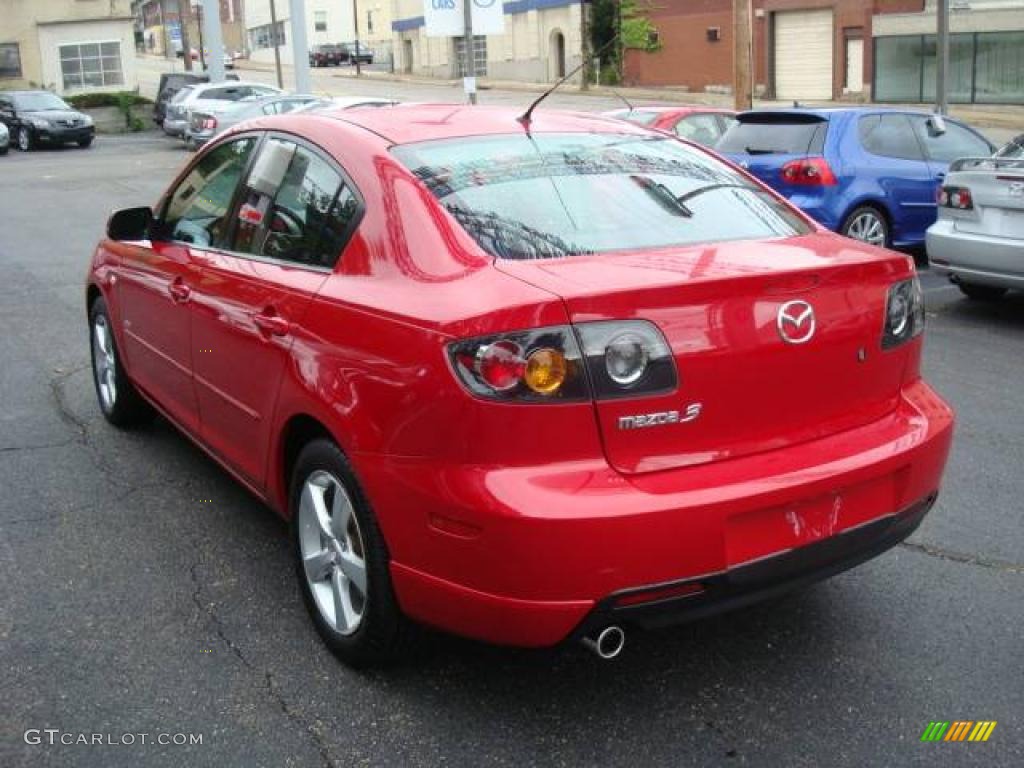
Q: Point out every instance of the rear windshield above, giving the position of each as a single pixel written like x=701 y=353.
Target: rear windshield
x=557 y=195
x=774 y=135
x=636 y=116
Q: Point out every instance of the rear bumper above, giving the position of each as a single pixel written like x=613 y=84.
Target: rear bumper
x=973 y=258
x=175 y=126
x=532 y=556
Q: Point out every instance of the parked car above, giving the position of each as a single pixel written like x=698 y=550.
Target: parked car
x=34 y=118
x=5 y=139
x=527 y=382
x=978 y=240
x=704 y=125
x=209 y=96
x=328 y=103
x=871 y=174
x=358 y=52
x=327 y=55
x=204 y=125
x=170 y=84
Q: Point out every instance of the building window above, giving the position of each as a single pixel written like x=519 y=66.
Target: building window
x=369 y=22
x=984 y=67
x=479 y=55
x=264 y=37
x=320 y=21
x=91 y=65
x=10 y=60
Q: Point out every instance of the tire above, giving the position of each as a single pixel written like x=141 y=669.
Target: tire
x=120 y=403
x=25 y=141
x=977 y=292
x=869 y=225
x=85 y=143
x=3 y=151
x=374 y=630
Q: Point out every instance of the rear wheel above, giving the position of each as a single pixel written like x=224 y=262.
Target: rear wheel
x=868 y=225
x=342 y=560
x=981 y=292
x=119 y=401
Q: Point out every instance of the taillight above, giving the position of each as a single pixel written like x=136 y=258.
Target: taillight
x=210 y=124
x=618 y=359
x=904 y=313
x=956 y=197
x=809 y=171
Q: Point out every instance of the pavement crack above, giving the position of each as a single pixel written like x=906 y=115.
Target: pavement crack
x=267 y=684
x=962 y=557
x=39 y=447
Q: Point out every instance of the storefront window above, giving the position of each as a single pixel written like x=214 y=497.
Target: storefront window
x=91 y=65
x=10 y=60
x=984 y=67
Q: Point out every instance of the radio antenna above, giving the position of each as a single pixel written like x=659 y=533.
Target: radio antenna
x=528 y=114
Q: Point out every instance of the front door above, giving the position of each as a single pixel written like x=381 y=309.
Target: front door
x=290 y=225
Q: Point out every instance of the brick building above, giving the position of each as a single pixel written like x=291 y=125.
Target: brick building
x=828 y=49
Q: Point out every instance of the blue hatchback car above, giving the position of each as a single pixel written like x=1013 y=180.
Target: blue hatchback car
x=868 y=173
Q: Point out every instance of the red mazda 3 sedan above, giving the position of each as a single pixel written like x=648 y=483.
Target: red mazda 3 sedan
x=524 y=380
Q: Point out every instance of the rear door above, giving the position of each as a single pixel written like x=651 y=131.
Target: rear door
x=293 y=217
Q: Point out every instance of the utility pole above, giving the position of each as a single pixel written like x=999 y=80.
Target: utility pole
x=942 y=58
x=214 y=36
x=469 y=60
x=202 y=45
x=742 y=45
x=300 y=47
x=355 y=26
x=184 y=17
x=277 y=44
x=585 y=46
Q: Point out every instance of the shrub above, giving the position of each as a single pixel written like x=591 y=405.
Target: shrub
x=123 y=100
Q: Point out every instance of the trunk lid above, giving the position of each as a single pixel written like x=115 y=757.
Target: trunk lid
x=997 y=193
x=718 y=308
x=763 y=142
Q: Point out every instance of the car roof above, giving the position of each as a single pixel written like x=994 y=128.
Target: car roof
x=662 y=109
x=408 y=123
x=827 y=112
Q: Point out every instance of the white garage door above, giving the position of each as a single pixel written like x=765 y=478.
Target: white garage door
x=803 y=55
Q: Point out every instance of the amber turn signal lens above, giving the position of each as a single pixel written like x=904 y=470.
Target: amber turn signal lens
x=545 y=370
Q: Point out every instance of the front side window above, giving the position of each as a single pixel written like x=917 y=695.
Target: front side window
x=558 y=195
x=89 y=65
x=10 y=60
x=955 y=142
x=296 y=207
x=889 y=136
x=197 y=210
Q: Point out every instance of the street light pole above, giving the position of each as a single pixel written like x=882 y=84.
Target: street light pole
x=355 y=26
x=277 y=44
x=942 y=58
x=469 y=60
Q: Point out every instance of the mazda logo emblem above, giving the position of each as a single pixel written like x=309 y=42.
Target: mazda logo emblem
x=796 y=322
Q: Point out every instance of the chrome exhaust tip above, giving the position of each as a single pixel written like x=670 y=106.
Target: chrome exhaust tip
x=608 y=643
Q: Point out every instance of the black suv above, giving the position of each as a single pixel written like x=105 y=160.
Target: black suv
x=41 y=117
x=327 y=55
x=170 y=84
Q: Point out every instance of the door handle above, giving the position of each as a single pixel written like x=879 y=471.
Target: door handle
x=272 y=324
x=179 y=291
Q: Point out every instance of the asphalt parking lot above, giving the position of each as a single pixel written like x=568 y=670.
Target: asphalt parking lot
x=143 y=591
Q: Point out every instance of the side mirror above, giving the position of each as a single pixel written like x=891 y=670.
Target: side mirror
x=936 y=125
x=130 y=224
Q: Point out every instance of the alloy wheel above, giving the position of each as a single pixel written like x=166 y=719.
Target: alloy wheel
x=24 y=140
x=104 y=362
x=868 y=227
x=332 y=550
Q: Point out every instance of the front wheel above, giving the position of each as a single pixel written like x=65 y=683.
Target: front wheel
x=120 y=402
x=342 y=560
x=85 y=143
x=981 y=292
x=868 y=225
x=25 y=141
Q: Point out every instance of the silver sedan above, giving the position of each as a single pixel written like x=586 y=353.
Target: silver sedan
x=978 y=239
x=5 y=139
x=204 y=124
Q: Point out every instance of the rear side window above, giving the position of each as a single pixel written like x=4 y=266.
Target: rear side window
x=702 y=128
x=955 y=143
x=296 y=207
x=768 y=134
x=197 y=210
x=889 y=136
x=558 y=195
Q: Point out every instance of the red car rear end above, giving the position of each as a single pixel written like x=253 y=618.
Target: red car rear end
x=583 y=376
